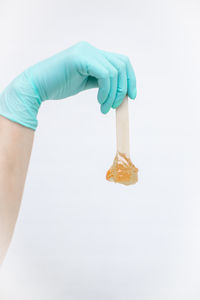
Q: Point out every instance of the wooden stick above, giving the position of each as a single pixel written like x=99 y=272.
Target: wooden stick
x=122 y=128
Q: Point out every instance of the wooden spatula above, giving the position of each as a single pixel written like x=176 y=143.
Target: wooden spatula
x=123 y=170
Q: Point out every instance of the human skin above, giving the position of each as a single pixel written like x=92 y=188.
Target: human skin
x=15 y=150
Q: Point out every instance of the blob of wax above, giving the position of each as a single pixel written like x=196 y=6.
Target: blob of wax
x=122 y=171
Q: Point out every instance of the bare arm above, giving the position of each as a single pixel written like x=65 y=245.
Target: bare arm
x=15 y=149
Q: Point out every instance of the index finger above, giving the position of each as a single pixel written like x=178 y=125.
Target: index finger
x=131 y=79
x=102 y=75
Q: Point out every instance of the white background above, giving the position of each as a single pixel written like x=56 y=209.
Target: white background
x=78 y=236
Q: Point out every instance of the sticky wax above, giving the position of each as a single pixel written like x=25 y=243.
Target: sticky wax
x=122 y=170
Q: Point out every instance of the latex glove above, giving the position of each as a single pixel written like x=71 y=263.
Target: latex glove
x=78 y=68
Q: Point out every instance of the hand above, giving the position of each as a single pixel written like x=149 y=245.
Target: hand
x=78 y=68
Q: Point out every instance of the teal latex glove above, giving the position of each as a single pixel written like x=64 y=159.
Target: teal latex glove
x=75 y=69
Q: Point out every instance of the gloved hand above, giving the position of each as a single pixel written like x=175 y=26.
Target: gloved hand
x=78 y=68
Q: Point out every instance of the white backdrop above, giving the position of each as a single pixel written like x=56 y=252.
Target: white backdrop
x=78 y=236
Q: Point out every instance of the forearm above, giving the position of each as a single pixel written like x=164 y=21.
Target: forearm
x=15 y=150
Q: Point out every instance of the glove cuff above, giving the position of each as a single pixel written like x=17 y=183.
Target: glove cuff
x=20 y=103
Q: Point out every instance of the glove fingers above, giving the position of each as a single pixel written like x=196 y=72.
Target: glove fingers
x=106 y=75
x=101 y=73
x=113 y=74
x=122 y=79
x=131 y=79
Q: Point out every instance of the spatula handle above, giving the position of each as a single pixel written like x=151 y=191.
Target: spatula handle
x=122 y=128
